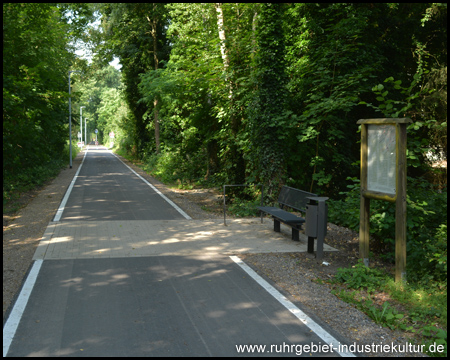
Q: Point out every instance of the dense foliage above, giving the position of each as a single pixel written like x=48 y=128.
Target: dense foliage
x=426 y=228
x=271 y=93
x=37 y=56
x=267 y=118
x=232 y=93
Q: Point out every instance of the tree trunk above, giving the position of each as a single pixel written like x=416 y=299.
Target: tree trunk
x=237 y=173
x=223 y=49
x=255 y=17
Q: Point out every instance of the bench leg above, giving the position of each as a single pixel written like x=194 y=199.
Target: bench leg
x=295 y=235
x=310 y=245
x=276 y=225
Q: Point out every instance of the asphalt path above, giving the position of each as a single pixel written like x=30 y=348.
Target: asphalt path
x=107 y=190
x=149 y=305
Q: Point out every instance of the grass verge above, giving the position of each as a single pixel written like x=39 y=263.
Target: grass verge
x=420 y=312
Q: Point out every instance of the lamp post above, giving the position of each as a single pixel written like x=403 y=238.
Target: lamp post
x=70 y=120
x=81 y=124
x=85 y=128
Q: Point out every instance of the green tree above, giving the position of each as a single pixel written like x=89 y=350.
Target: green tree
x=203 y=89
x=251 y=92
x=332 y=58
x=183 y=87
x=135 y=33
x=267 y=116
x=91 y=92
x=37 y=56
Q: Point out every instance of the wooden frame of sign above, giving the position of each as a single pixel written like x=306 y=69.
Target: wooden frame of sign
x=383 y=177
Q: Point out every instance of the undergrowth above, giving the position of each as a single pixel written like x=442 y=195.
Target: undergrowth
x=426 y=228
x=418 y=311
x=27 y=178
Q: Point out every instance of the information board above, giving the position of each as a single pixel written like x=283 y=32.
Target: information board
x=381 y=158
x=383 y=177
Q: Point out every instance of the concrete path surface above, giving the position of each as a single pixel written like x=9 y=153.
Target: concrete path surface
x=99 y=239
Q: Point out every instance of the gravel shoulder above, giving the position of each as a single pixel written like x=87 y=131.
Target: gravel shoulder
x=295 y=274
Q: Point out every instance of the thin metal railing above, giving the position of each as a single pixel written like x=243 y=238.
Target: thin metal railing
x=224 y=202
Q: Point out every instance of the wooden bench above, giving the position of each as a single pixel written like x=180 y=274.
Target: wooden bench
x=289 y=198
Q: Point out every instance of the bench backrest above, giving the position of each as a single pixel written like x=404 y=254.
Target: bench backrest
x=294 y=198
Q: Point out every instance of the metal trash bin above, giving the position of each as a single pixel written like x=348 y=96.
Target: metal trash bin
x=316 y=223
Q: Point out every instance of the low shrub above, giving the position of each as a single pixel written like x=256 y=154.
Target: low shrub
x=27 y=177
x=170 y=166
x=360 y=277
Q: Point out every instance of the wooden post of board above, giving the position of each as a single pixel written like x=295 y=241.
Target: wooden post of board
x=400 y=207
x=383 y=177
x=364 y=223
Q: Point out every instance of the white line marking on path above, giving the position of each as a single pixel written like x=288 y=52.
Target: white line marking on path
x=69 y=190
x=305 y=319
x=156 y=190
x=10 y=327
